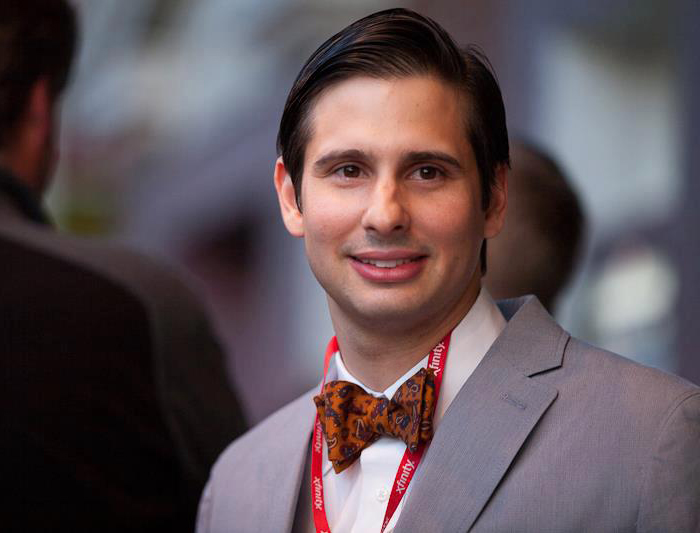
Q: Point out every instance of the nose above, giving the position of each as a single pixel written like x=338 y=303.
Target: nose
x=386 y=212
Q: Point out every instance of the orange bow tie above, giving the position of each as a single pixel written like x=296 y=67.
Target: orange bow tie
x=352 y=419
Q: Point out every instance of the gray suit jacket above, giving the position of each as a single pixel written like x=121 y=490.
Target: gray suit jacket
x=548 y=434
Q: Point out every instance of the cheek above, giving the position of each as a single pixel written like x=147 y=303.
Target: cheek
x=325 y=213
x=456 y=232
x=457 y=220
x=464 y=237
x=326 y=223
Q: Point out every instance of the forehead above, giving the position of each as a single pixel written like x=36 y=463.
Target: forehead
x=372 y=114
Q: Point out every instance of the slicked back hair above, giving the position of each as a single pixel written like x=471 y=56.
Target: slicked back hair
x=37 y=39
x=398 y=43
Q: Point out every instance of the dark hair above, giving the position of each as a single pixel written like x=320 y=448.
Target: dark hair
x=545 y=229
x=398 y=43
x=555 y=214
x=37 y=39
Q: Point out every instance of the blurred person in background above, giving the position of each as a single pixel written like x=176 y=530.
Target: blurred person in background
x=538 y=249
x=393 y=161
x=113 y=395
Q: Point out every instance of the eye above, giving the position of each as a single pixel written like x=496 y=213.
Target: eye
x=348 y=171
x=428 y=173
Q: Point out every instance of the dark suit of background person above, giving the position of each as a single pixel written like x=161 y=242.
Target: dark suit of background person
x=113 y=394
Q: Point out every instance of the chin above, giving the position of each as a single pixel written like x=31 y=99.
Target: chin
x=386 y=311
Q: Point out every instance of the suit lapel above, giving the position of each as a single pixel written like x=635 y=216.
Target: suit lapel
x=486 y=424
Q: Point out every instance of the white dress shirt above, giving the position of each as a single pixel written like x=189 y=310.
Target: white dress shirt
x=356 y=499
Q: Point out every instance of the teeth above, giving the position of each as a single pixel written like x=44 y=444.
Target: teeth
x=391 y=263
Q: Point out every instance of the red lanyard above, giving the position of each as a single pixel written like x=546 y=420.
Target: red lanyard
x=409 y=462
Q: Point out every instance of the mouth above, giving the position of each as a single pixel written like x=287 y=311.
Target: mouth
x=388 y=267
x=387 y=263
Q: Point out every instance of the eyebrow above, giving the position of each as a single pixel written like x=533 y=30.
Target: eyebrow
x=339 y=155
x=417 y=157
x=407 y=158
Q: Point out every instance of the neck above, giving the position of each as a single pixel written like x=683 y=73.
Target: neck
x=378 y=356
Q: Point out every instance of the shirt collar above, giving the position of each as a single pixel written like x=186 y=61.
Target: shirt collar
x=470 y=341
x=344 y=375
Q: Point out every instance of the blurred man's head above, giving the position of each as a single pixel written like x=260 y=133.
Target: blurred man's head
x=537 y=250
x=37 y=43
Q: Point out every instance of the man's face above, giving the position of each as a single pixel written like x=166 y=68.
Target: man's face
x=391 y=202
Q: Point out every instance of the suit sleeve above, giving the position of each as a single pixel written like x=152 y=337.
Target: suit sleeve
x=671 y=494
x=204 y=513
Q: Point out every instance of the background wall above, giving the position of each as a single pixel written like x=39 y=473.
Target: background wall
x=168 y=145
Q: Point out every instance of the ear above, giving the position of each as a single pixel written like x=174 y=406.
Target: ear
x=30 y=153
x=496 y=212
x=38 y=116
x=291 y=214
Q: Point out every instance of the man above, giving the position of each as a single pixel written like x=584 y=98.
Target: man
x=393 y=166
x=537 y=250
x=113 y=393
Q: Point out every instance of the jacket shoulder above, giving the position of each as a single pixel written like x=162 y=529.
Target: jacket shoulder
x=662 y=412
x=624 y=373
x=268 y=459
x=149 y=279
x=266 y=439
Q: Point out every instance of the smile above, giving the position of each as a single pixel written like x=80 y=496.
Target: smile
x=386 y=263
x=389 y=270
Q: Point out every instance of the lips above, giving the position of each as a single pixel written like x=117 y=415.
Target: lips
x=386 y=263
x=388 y=267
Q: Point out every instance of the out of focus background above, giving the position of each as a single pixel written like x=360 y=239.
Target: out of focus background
x=168 y=145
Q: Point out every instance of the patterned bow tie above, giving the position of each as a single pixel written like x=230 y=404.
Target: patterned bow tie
x=352 y=419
